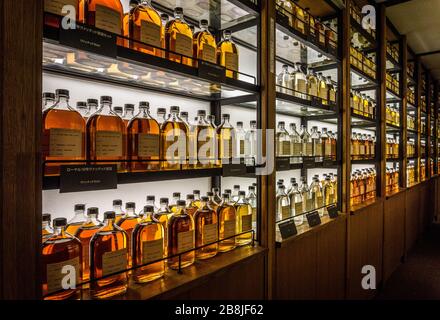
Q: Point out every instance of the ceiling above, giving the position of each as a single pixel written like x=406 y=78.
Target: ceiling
x=419 y=20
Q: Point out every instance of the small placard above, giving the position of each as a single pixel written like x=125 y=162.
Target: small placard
x=287 y=229
x=308 y=162
x=89 y=39
x=333 y=212
x=234 y=170
x=211 y=71
x=88 y=178
x=313 y=219
x=283 y=163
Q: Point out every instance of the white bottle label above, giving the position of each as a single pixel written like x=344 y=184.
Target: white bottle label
x=108 y=144
x=114 y=261
x=185 y=241
x=152 y=250
x=55 y=275
x=65 y=143
x=108 y=19
x=210 y=233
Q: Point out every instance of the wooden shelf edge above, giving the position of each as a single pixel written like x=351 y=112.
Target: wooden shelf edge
x=173 y=283
x=355 y=209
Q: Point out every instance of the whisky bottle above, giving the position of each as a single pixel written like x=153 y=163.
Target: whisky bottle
x=163 y=215
x=333 y=137
x=191 y=208
x=312 y=84
x=326 y=144
x=151 y=201
x=128 y=113
x=179 y=39
x=161 y=115
x=331 y=90
x=317 y=143
x=206 y=230
x=148 y=246
x=63 y=134
x=296 y=204
x=329 y=192
x=227 y=224
x=227 y=55
x=300 y=19
x=60 y=250
x=283 y=146
x=285 y=81
x=117 y=208
x=300 y=82
x=106 y=138
x=48 y=100
x=181 y=238
x=205 y=137
x=251 y=198
x=295 y=142
x=197 y=200
x=107 y=15
x=164 y=18
x=211 y=202
x=286 y=7
x=217 y=199
x=308 y=201
x=225 y=132
x=323 y=90
x=82 y=108
x=251 y=143
x=92 y=104
x=316 y=194
x=239 y=140
x=127 y=223
x=244 y=220
x=108 y=260
x=126 y=21
x=146 y=29
x=236 y=194
x=55 y=8
x=204 y=45
x=144 y=140
x=307 y=144
x=173 y=205
x=46 y=230
x=283 y=205
x=78 y=219
x=85 y=234
x=173 y=132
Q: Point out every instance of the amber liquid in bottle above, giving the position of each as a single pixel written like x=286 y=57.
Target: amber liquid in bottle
x=63 y=135
x=108 y=255
x=128 y=223
x=179 y=39
x=225 y=133
x=244 y=217
x=204 y=45
x=146 y=29
x=227 y=224
x=205 y=137
x=60 y=250
x=144 y=141
x=106 y=138
x=85 y=234
x=107 y=15
x=206 y=229
x=148 y=246
x=181 y=238
x=227 y=56
x=173 y=131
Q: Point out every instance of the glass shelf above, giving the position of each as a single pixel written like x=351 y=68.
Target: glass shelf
x=294 y=106
x=361 y=81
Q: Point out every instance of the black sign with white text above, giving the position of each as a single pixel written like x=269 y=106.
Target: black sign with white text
x=88 y=178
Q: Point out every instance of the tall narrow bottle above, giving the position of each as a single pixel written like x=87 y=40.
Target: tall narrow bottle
x=106 y=139
x=179 y=39
x=148 y=246
x=227 y=55
x=60 y=250
x=93 y=106
x=227 y=217
x=204 y=45
x=308 y=201
x=108 y=255
x=244 y=217
x=316 y=194
x=127 y=223
x=323 y=90
x=312 y=84
x=144 y=140
x=300 y=79
x=63 y=134
x=181 y=238
x=317 y=143
x=296 y=143
x=251 y=198
x=85 y=234
x=206 y=230
x=162 y=216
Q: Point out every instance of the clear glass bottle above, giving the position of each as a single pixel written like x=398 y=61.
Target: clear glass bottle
x=174 y=131
x=329 y=192
x=78 y=219
x=251 y=198
x=317 y=143
x=283 y=145
x=326 y=144
x=308 y=201
x=148 y=246
x=296 y=143
x=181 y=238
x=63 y=136
x=61 y=249
x=244 y=217
x=206 y=230
x=127 y=223
x=146 y=29
x=251 y=143
x=300 y=82
x=108 y=255
x=197 y=200
x=285 y=81
x=179 y=39
x=323 y=90
x=331 y=90
x=312 y=84
x=316 y=194
x=240 y=140
x=227 y=55
x=307 y=143
x=106 y=133
x=162 y=216
x=204 y=45
x=82 y=108
x=46 y=229
x=227 y=217
x=283 y=204
x=85 y=234
x=296 y=204
x=225 y=133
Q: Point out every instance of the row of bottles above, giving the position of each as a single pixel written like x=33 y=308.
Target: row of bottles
x=411 y=96
x=150 y=32
x=102 y=134
x=306 y=85
x=393 y=51
x=302 y=21
x=392 y=115
x=392 y=148
x=422 y=170
x=393 y=83
x=362 y=61
x=410 y=148
x=411 y=176
x=305 y=144
x=411 y=122
x=391 y=180
x=362 y=186
x=363 y=105
x=300 y=199
x=411 y=69
x=144 y=241
x=363 y=146
x=358 y=16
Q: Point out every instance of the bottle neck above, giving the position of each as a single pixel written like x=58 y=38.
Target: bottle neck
x=131 y=213
x=108 y=223
x=79 y=213
x=59 y=231
x=106 y=108
x=62 y=103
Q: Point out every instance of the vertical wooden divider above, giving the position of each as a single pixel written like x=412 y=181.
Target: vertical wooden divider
x=418 y=97
x=382 y=43
x=404 y=112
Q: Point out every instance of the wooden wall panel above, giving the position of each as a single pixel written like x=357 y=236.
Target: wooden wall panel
x=412 y=217
x=394 y=233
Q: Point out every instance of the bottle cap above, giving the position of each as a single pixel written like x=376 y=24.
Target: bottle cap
x=174 y=109
x=129 y=106
x=226 y=116
x=228 y=191
x=281 y=123
x=176 y=195
x=134 y=3
x=92 y=101
x=118 y=109
x=164 y=16
x=92 y=211
x=201 y=113
x=117 y=202
x=239 y=123
x=227 y=33
x=106 y=99
x=163 y=201
x=161 y=110
x=292 y=180
x=81 y=104
x=215 y=190
x=151 y=198
x=196 y=191
x=49 y=95
x=210 y=194
x=109 y=215
x=59 y=222
x=190 y=197
x=148 y=209
x=181 y=203
x=80 y=207
x=204 y=22
x=178 y=10
x=251 y=188
x=205 y=199
x=62 y=93
x=236 y=186
x=130 y=205
x=241 y=193
x=225 y=195
x=46 y=217
x=184 y=114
